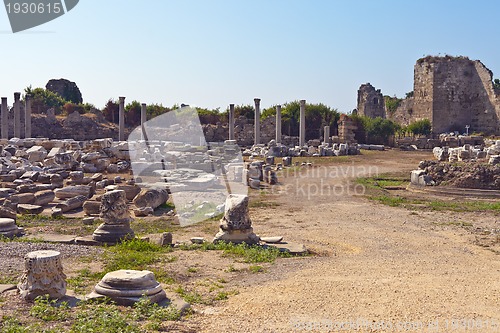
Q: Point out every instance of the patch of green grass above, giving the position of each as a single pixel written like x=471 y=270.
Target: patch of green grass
x=249 y=253
x=40 y=217
x=49 y=310
x=103 y=318
x=133 y=254
x=10 y=324
x=382 y=181
x=145 y=310
x=192 y=297
x=192 y=269
x=156 y=226
x=162 y=276
x=390 y=200
x=437 y=205
x=231 y=269
x=85 y=278
x=222 y=295
x=167 y=205
x=257 y=203
x=256 y=269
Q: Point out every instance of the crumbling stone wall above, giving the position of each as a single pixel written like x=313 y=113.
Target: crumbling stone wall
x=454 y=92
x=243 y=131
x=370 y=102
x=451 y=92
x=347 y=129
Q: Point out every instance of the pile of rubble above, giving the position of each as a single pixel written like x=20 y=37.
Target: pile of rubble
x=314 y=148
x=490 y=152
x=451 y=140
x=64 y=175
x=469 y=174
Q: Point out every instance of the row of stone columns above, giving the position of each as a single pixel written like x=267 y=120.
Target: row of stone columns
x=4 y=128
x=302 y=129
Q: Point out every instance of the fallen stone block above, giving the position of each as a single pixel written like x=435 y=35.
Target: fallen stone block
x=73 y=191
x=91 y=207
x=153 y=197
x=44 y=198
x=24 y=198
x=29 y=209
x=72 y=203
x=143 y=211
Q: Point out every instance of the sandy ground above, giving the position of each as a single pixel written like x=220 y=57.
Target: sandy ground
x=382 y=269
x=376 y=268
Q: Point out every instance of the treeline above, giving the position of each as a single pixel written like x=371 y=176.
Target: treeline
x=369 y=130
x=380 y=131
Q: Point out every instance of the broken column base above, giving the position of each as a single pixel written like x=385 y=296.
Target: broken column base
x=126 y=287
x=113 y=233
x=9 y=229
x=237 y=236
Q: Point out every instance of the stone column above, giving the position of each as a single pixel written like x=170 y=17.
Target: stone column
x=116 y=219
x=27 y=117
x=121 y=119
x=257 y=121
x=278 y=123
x=236 y=226
x=17 y=115
x=5 y=119
x=231 y=121
x=143 y=119
x=43 y=275
x=302 y=129
x=326 y=135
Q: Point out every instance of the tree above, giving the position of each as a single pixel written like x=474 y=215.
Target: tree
x=111 y=110
x=133 y=114
x=374 y=130
x=420 y=127
x=496 y=84
x=43 y=99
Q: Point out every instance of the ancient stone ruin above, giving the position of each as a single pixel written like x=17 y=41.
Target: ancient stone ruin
x=43 y=275
x=236 y=226
x=452 y=92
x=115 y=214
x=125 y=287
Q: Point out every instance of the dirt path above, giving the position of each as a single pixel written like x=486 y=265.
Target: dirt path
x=384 y=269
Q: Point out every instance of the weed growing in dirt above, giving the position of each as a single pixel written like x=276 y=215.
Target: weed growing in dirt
x=49 y=310
x=249 y=253
x=133 y=254
x=103 y=318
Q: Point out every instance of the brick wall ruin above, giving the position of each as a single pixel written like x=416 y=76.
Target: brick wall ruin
x=451 y=92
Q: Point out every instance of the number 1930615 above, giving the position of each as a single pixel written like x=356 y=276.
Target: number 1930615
x=34 y=8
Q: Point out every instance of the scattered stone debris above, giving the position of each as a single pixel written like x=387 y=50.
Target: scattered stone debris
x=468 y=174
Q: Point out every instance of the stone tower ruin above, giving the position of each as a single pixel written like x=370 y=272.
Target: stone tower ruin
x=370 y=102
x=452 y=92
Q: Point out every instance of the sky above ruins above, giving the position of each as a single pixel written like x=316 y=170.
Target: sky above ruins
x=210 y=53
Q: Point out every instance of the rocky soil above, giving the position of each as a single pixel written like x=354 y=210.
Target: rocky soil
x=375 y=268
x=475 y=175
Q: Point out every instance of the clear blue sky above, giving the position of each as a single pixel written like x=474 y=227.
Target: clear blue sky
x=211 y=53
